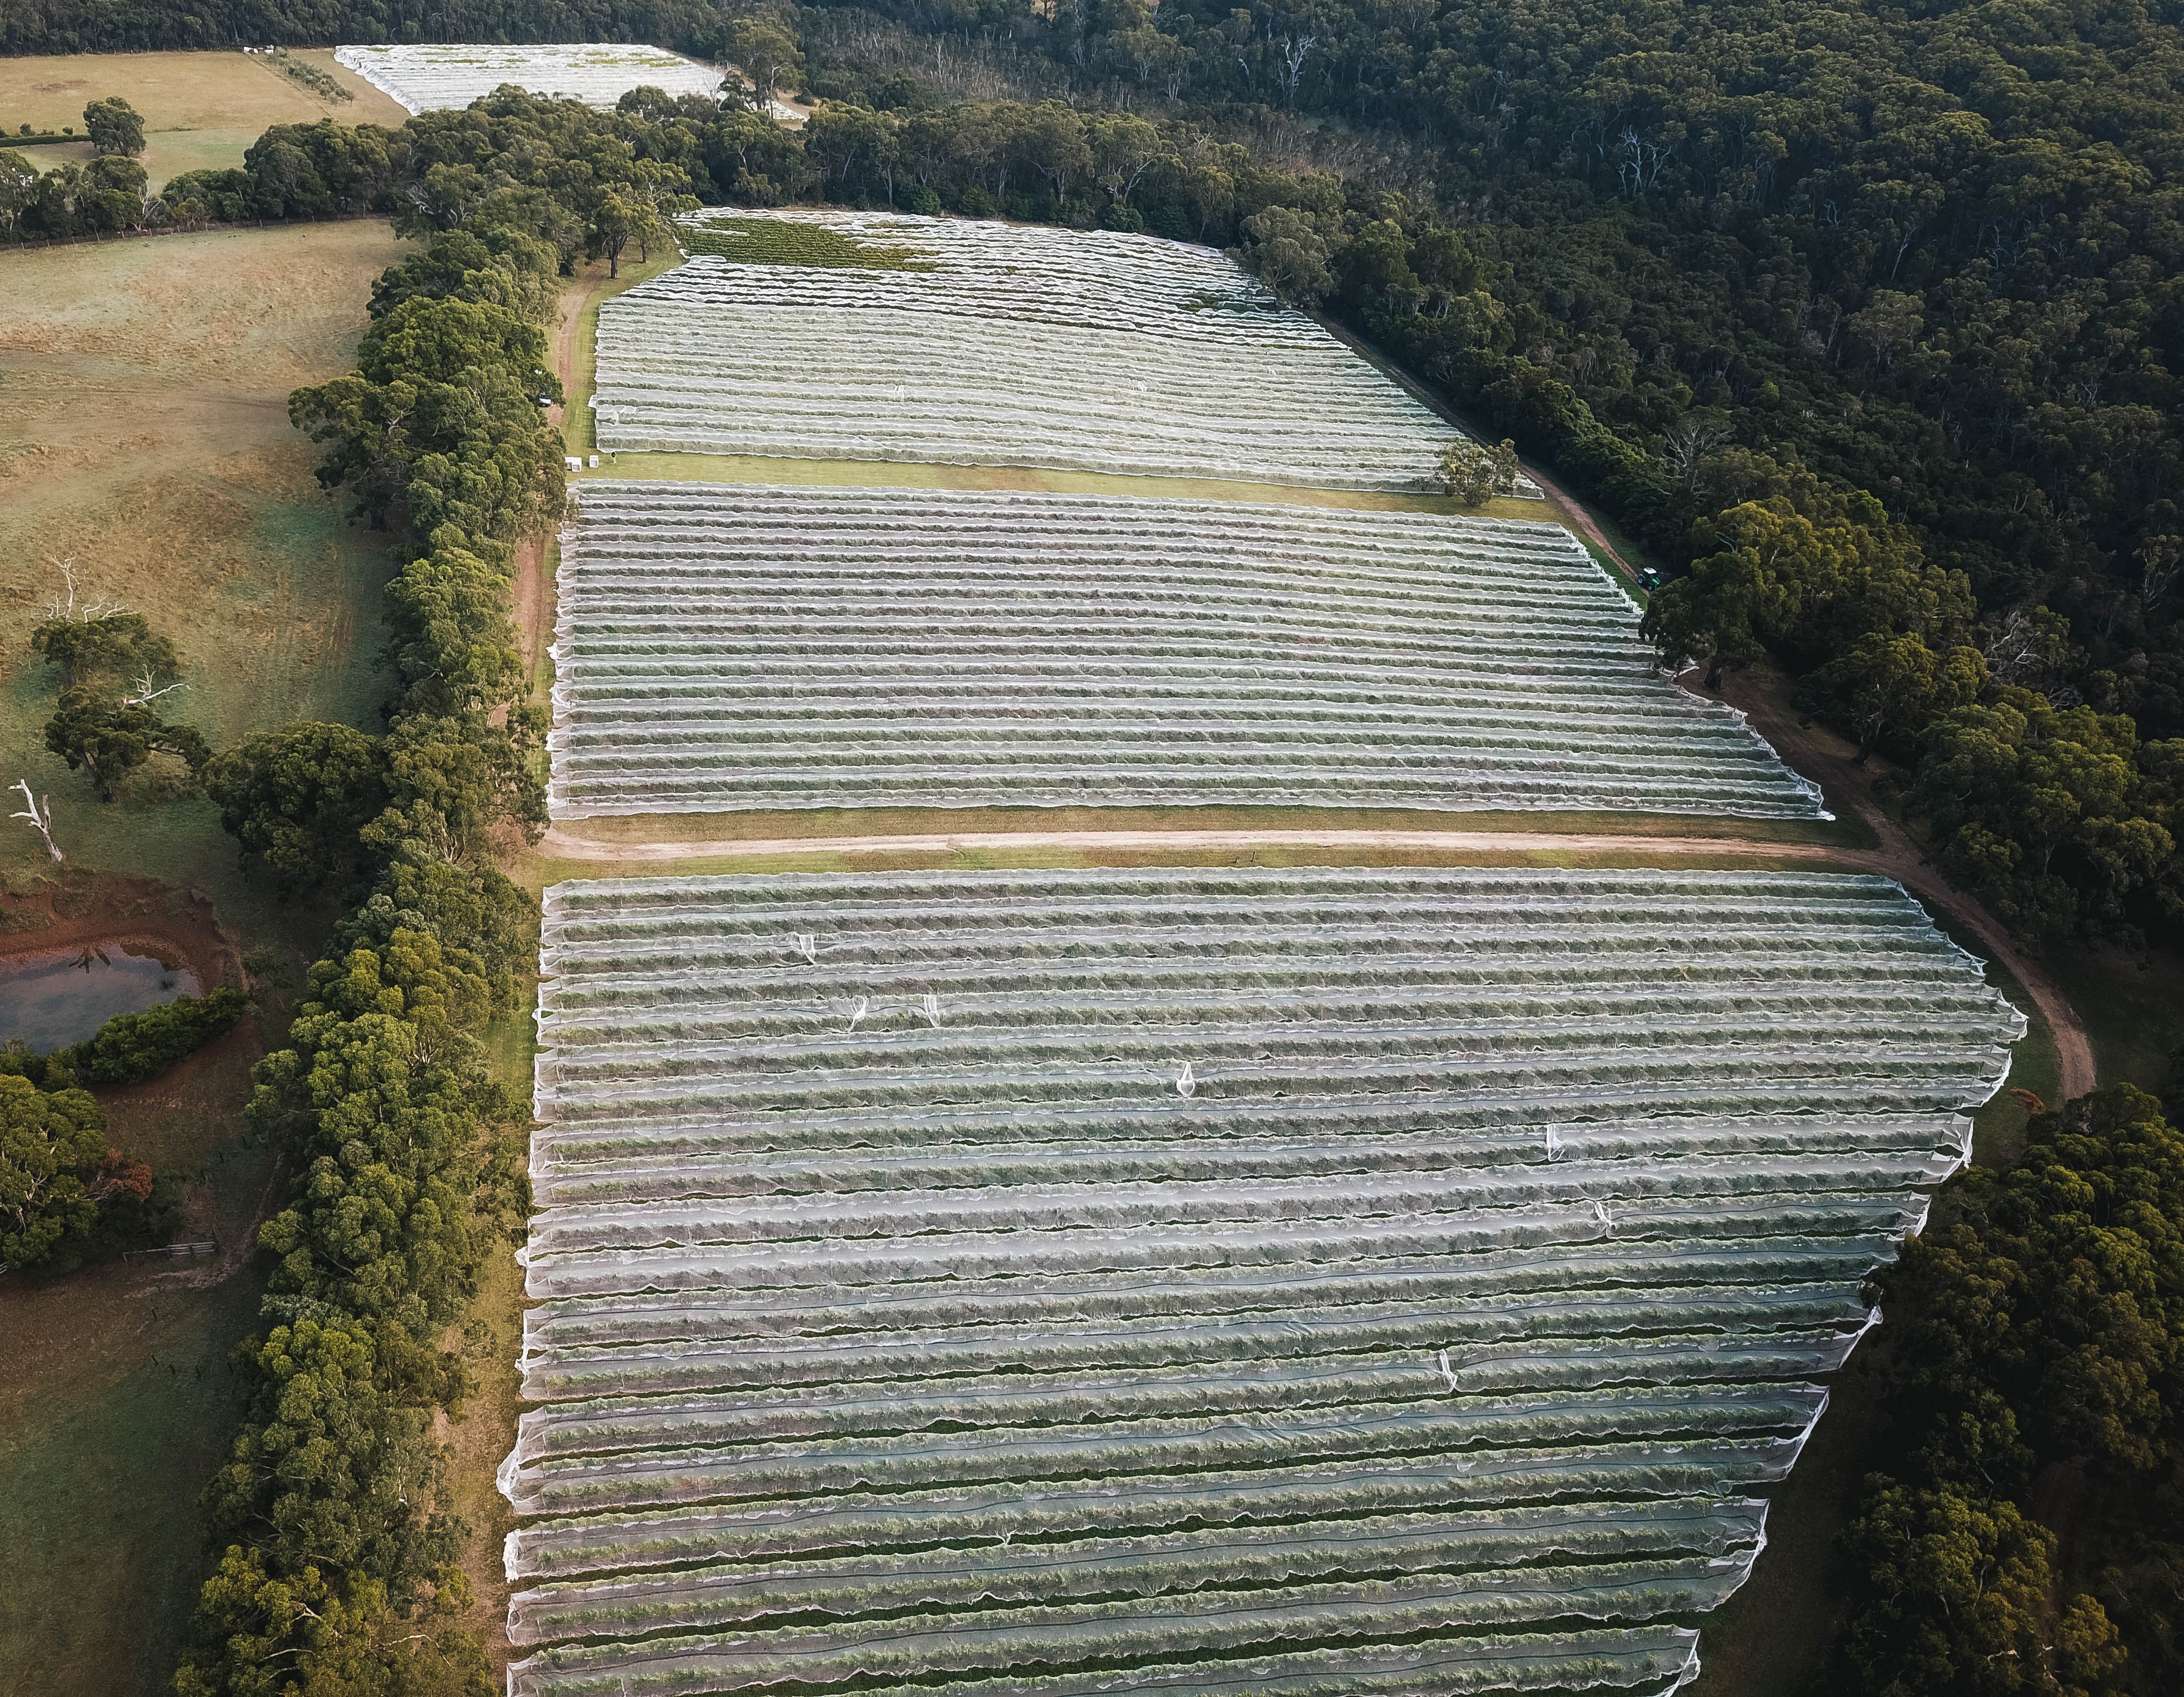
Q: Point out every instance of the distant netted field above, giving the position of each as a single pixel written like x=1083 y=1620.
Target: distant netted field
x=872 y=336
x=431 y=76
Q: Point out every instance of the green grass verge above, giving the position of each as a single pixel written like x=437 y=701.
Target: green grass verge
x=730 y=468
x=489 y=1338
x=833 y=822
x=106 y=1450
x=578 y=435
x=786 y=241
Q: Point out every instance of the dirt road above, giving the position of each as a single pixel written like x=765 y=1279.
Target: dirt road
x=1577 y=517
x=1898 y=858
x=567 y=844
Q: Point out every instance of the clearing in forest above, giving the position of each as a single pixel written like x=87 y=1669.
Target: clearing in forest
x=1327 y=1283
x=1317 y=1281
x=866 y=336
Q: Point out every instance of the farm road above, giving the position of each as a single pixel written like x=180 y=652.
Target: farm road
x=1896 y=859
x=1899 y=858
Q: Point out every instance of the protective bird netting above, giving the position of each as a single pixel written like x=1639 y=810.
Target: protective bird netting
x=724 y=647
x=900 y=1325
x=996 y=344
x=438 y=76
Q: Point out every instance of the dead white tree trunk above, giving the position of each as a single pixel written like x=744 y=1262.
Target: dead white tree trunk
x=146 y=694
x=40 y=815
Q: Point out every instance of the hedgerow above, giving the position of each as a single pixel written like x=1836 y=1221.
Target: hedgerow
x=337 y=1549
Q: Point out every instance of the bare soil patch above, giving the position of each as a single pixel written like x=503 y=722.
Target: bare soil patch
x=179 y=926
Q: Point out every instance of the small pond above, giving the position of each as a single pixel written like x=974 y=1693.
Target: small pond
x=52 y=997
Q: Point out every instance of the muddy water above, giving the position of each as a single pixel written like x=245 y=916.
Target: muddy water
x=57 y=997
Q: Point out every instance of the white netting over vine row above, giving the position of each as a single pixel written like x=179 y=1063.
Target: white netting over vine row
x=987 y=270
x=1006 y=345
x=724 y=647
x=1328 y=1281
x=431 y=76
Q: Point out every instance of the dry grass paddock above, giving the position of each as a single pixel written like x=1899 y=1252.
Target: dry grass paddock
x=144 y=434
x=201 y=109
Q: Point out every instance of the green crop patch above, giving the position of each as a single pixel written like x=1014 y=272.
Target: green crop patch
x=780 y=241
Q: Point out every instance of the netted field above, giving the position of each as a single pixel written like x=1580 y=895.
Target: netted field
x=1316 y=1281
x=434 y=76
x=735 y=647
x=866 y=336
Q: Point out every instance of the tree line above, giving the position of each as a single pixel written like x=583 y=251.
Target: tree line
x=2034 y=1359
x=337 y=1567
x=337 y=1551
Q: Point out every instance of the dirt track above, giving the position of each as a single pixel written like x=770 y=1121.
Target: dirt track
x=563 y=845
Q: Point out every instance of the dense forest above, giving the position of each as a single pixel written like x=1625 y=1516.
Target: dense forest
x=115 y=26
x=2032 y=1380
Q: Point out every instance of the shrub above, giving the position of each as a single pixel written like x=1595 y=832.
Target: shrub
x=131 y=1047
x=65 y=1197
